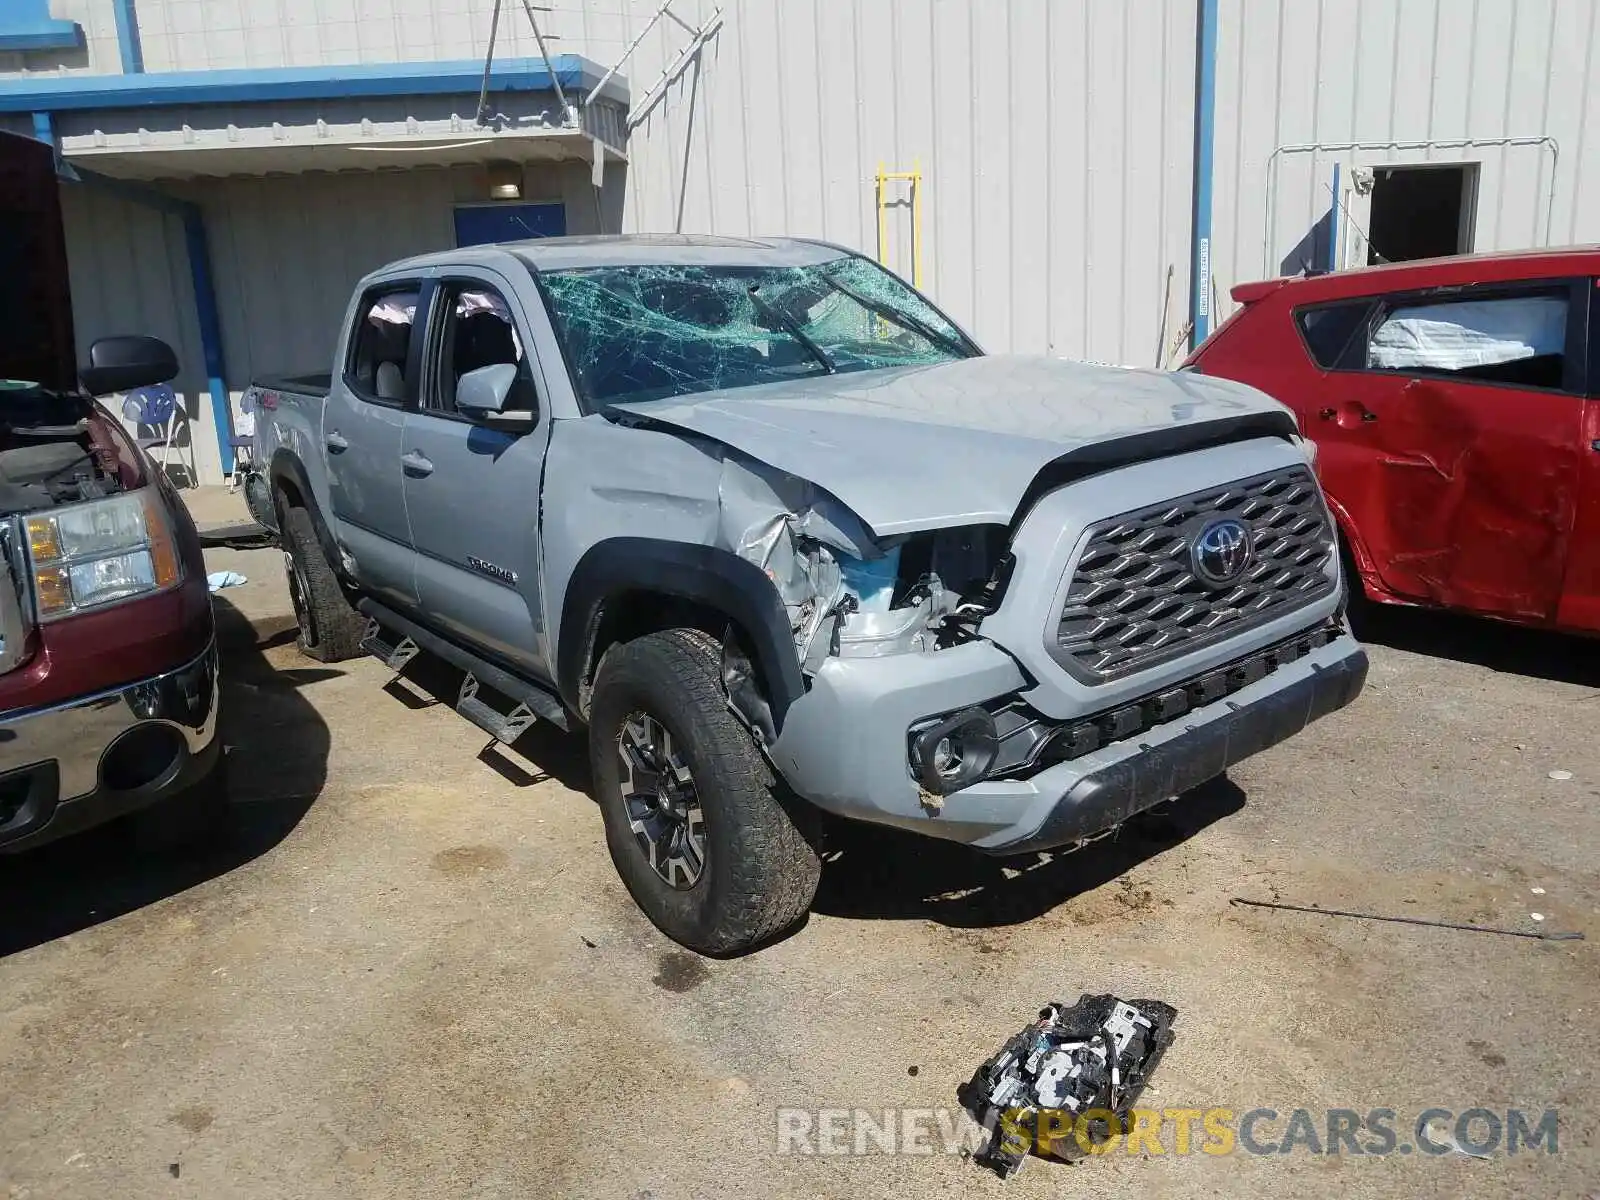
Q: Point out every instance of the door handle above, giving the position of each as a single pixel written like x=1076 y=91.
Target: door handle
x=416 y=463
x=337 y=441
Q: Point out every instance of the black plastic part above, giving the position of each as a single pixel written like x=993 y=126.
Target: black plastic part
x=976 y=731
x=1109 y=796
x=1004 y=1094
x=1095 y=458
x=543 y=703
x=119 y=364
x=718 y=579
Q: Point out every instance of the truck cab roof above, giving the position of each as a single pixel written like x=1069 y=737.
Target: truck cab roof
x=628 y=250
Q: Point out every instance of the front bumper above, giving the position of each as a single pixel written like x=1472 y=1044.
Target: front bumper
x=92 y=759
x=843 y=745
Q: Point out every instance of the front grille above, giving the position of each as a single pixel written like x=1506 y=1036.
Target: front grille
x=1135 y=599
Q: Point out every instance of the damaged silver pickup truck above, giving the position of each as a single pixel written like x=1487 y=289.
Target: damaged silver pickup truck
x=785 y=540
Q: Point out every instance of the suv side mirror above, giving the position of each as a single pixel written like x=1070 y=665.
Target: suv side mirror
x=482 y=395
x=120 y=364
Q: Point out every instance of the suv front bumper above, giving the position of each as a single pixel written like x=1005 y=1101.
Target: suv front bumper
x=843 y=745
x=92 y=759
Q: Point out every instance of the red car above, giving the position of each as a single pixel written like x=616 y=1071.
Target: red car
x=1455 y=405
x=108 y=659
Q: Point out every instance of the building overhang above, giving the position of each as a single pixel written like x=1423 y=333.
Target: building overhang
x=214 y=123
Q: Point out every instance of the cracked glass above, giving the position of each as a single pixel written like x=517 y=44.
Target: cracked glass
x=648 y=332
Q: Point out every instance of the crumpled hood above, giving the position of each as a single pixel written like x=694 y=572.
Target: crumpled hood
x=958 y=443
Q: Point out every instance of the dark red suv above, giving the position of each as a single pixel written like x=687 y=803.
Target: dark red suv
x=108 y=660
x=1455 y=405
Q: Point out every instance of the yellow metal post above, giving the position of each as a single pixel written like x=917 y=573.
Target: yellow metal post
x=883 y=219
x=882 y=181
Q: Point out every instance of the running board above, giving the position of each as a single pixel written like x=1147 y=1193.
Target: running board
x=530 y=701
x=394 y=655
x=505 y=728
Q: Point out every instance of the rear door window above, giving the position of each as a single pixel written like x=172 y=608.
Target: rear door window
x=1517 y=337
x=379 y=363
x=1329 y=329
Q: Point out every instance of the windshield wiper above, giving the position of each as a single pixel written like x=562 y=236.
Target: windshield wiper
x=791 y=327
x=903 y=319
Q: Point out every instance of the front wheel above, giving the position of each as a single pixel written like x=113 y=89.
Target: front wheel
x=698 y=826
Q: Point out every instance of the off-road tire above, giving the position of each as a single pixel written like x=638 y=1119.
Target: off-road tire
x=330 y=629
x=761 y=871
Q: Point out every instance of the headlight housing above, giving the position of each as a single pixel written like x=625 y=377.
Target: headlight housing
x=86 y=556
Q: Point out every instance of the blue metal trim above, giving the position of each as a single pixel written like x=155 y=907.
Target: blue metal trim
x=128 y=44
x=63 y=35
x=205 y=305
x=89 y=92
x=44 y=130
x=27 y=25
x=205 y=293
x=1333 y=224
x=1205 y=116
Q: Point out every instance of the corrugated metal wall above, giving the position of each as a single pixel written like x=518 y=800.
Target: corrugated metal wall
x=1055 y=139
x=1055 y=136
x=286 y=252
x=1299 y=72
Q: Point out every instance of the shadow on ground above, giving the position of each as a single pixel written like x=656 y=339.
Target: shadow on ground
x=885 y=874
x=1510 y=649
x=552 y=754
x=277 y=755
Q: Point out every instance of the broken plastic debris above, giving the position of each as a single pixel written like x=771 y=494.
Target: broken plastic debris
x=1561 y=776
x=1538 y=891
x=1055 y=1081
x=1537 y=916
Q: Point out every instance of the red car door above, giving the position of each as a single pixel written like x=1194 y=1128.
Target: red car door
x=1450 y=431
x=1580 y=598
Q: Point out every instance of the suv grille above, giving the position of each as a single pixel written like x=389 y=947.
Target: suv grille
x=1135 y=599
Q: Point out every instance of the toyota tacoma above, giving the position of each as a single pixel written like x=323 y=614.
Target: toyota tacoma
x=787 y=543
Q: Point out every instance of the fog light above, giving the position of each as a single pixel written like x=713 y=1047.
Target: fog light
x=953 y=752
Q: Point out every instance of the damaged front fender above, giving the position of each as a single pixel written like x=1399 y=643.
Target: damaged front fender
x=795 y=569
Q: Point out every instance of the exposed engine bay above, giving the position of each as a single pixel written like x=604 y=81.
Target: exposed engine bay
x=847 y=593
x=1068 y=1080
x=51 y=452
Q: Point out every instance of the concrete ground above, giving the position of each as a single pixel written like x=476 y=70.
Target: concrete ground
x=412 y=971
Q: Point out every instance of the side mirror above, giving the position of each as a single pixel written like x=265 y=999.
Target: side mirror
x=483 y=395
x=120 y=364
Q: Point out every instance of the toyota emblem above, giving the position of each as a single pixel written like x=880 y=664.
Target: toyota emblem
x=1221 y=552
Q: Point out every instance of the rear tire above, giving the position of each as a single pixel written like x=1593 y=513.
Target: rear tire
x=330 y=629
x=742 y=872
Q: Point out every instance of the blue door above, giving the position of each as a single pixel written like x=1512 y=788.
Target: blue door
x=477 y=224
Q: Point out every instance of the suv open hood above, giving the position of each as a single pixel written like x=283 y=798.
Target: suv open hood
x=959 y=443
x=36 y=342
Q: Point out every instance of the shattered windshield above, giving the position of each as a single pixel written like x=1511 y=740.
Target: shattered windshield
x=647 y=332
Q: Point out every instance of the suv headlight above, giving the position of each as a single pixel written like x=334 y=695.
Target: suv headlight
x=89 y=555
